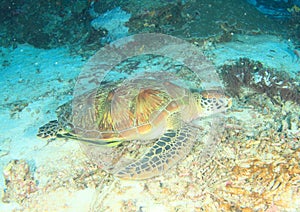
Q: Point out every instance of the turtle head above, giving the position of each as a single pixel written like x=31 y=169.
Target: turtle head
x=212 y=101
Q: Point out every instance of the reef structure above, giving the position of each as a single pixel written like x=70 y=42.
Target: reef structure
x=277 y=85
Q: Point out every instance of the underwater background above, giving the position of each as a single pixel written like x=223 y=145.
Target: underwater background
x=254 y=46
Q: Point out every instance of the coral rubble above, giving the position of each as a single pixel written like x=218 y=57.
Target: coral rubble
x=19 y=181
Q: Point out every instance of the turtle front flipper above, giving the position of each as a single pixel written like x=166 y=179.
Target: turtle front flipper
x=49 y=130
x=165 y=153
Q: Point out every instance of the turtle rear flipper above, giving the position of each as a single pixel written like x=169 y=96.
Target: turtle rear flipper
x=165 y=153
x=49 y=130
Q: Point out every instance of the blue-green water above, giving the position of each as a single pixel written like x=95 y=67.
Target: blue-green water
x=47 y=48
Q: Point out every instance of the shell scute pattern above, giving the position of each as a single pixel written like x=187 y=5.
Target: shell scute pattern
x=145 y=110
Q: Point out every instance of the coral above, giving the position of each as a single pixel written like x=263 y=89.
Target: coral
x=114 y=22
x=294 y=26
x=18 y=180
x=245 y=73
x=294 y=9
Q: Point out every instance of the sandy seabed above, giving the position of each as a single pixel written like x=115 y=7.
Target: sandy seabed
x=254 y=167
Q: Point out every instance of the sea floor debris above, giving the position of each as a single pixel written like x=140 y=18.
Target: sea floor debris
x=254 y=168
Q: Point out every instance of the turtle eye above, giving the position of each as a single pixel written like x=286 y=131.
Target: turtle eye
x=69 y=127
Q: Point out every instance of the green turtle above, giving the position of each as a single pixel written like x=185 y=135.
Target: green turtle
x=144 y=110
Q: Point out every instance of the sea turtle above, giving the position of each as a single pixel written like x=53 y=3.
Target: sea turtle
x=143 y=109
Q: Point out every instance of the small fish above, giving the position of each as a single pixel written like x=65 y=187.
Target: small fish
x=297 y=53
